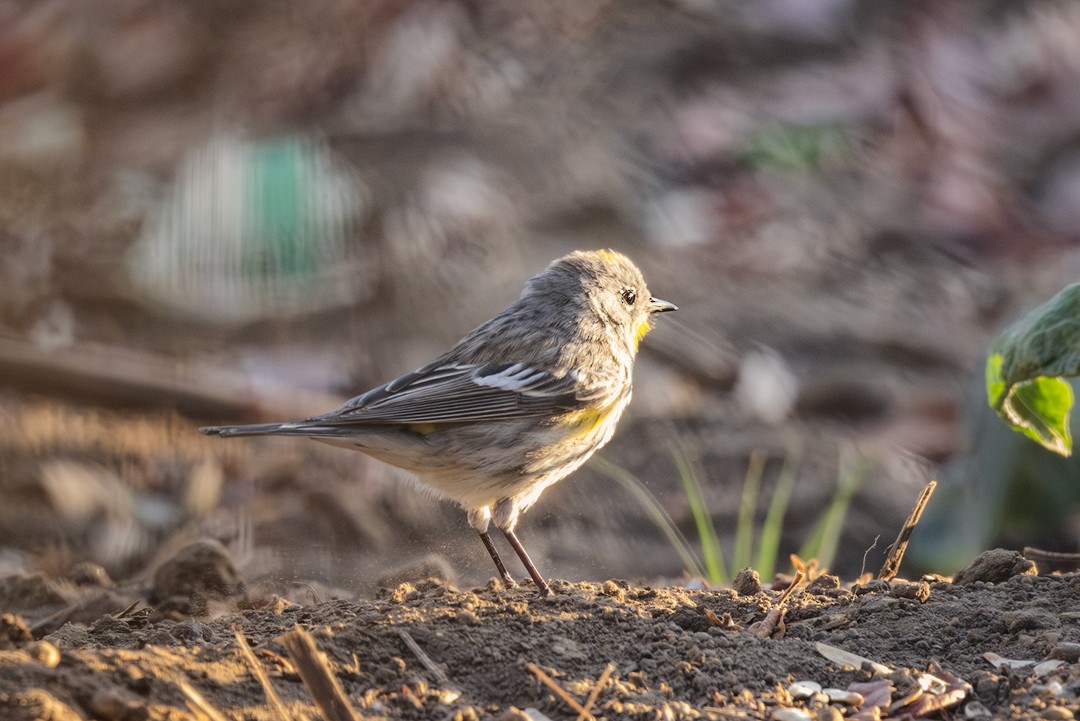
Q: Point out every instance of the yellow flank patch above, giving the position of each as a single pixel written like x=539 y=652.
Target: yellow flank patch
x=422 y=428
x=587 y=420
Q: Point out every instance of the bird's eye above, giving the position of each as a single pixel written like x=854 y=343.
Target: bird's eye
x=629 y=296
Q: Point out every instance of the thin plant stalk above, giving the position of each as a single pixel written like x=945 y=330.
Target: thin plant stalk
x=710 y=543
x=773 y=526
x=825 y=538
x=744 y=525
x=656 y=511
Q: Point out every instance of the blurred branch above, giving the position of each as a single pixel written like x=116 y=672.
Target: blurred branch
x=125 y=376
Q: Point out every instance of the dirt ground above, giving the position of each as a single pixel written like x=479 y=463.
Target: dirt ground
x=1000 y=642
x=848 y=203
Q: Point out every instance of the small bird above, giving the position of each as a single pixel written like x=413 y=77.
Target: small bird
x=519 y=403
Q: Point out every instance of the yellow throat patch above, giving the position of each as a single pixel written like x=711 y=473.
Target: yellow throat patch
x=643 y=327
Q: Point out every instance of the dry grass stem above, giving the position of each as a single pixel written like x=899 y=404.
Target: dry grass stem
x=268 y=687
x=600 y=683
x=583 y=714
x=772 y=626
x=795 y=581
x=421 y=654
x=198 y=703
x=766 y=627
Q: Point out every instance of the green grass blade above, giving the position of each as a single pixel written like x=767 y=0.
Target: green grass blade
x=710 y=543
x=825 y=537
x=744 y=526
x=773 y=527
x=656 y=512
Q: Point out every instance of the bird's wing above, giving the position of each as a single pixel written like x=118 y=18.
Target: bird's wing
x=467 y=393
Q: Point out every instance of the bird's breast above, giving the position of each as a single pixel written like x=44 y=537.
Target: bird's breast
x=597 y=420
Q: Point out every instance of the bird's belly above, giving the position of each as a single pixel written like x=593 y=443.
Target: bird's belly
x=477 y=465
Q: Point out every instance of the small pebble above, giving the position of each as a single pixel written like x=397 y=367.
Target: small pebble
x=107 y=705
x=431 y=566
x=790 y=714
x=804 y=689
x=994 y=566
x=13 y=631
x=824 y=582
x=1066 y=651
x=197 y=572
x=872 y=586
x=747 y=582
x=918 y=591
x=829 y=713
x=613 y=589
x=39 y=704
x=1057 y=713
x=535 y=714
x=90 y=574
x=45 y=653
x=450 y=695
x=1047 y=667
x=848 y=698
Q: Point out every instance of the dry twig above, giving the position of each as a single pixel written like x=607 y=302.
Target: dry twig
x=899 y=546
x=124 y=374
x=773 y=622
x=1071 y=560
x=101 y=603
x=320 y=681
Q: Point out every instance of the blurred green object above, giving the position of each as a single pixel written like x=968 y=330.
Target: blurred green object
x=253 y=229
x=715 y=568
x=1003 y=492
x=794 y=147
x=1025 y=367
x=822 y=543
x=824 y=539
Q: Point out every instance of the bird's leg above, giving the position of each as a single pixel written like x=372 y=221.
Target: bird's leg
x=479 y=520
x=541 y=584
x=505 y=515
x=506 y=578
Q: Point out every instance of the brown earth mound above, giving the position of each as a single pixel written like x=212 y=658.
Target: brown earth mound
x=430 y=651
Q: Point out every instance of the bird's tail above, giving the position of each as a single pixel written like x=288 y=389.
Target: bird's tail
x=255 y=429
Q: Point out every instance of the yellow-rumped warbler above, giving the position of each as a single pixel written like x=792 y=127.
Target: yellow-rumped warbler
x=518 y=404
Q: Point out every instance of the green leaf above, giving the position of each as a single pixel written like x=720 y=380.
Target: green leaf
x=1024 y=372
x=791 y=147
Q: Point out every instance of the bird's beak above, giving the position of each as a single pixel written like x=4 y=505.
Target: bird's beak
x=660 y=306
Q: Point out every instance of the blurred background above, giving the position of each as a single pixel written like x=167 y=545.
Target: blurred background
x=229 y=211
